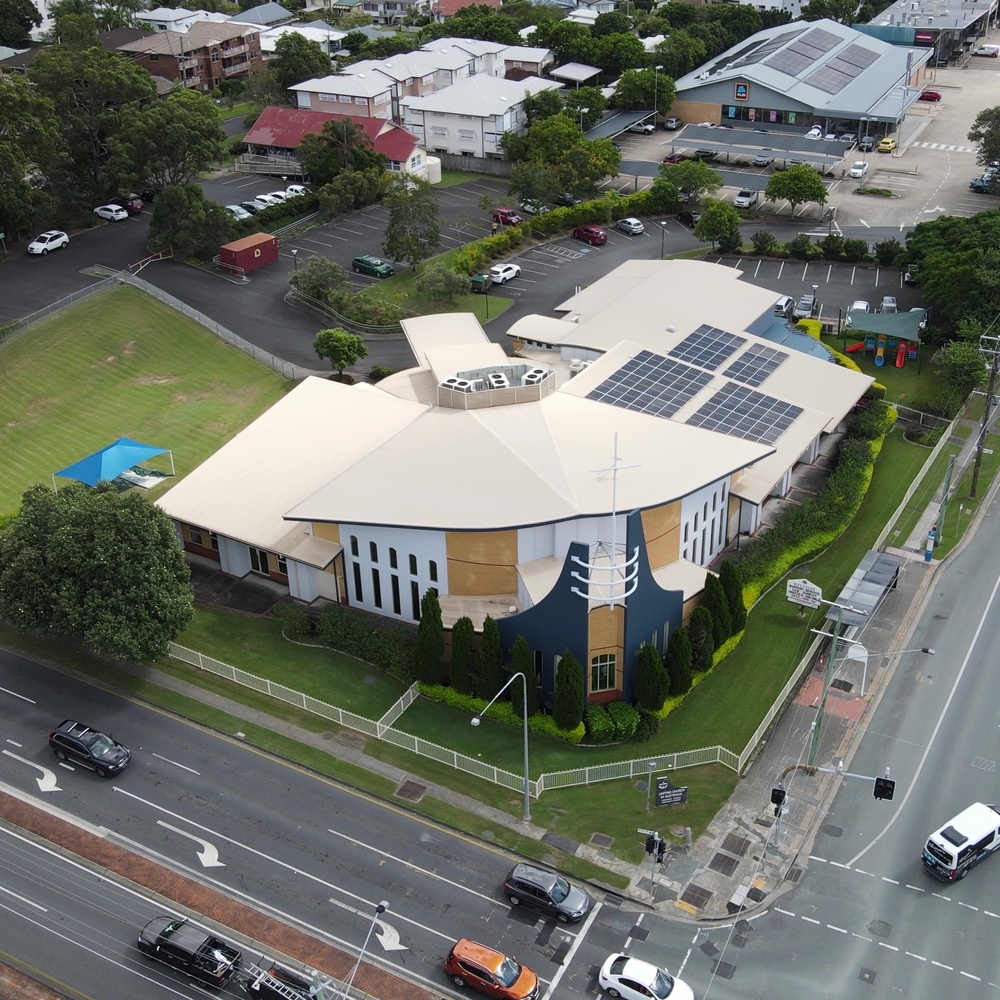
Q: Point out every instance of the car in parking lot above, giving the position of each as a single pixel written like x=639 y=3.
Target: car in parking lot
x=591 y=234
x=763 y=160
x=859 y=169
x=111 y=213
x=990 y=51
x=867 y=143
x=51 y=239
x=506 y=217
x=132 y=203
x=634 y=979
x=860 y=306
x=887 y=145
x=375 y=267
x=490 y=971
x=705 y=154
x=689 y=219
x=910 y=274
x=631 y=226
x=805 y=307
x=543 y=890
x=848 y=137
x=76 y=742
x=278 y=196
x=253 y=207
x=566 y=200
x=930 y=95
x=295 y=190
x=267 y=200
x=816 y=132
x=980 y=185
x=238 y=212
x=673 y=158
x=502 y=273
x=532 y=207
x=888 y=304
x=673 y=123
x=644 y=127
x=747 y=198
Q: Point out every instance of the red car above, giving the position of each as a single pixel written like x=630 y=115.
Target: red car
x=930 y=95
x=506 y=217
x=593 y=235
x=673 y=158
x=132 y=204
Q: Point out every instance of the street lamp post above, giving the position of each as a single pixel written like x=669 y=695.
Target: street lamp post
x=295 y=259
x=524 y=707
x=379 y=910
x=583 y=111
x=815 y=299
x=656 y=91
x=663 y=233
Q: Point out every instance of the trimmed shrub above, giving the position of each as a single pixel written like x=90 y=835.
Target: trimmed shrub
x=370 y=638
x=430 y=640
x=521 y=663
x=764 y=242
x=678 y=662
x=489 y=679
x=855 y=251
x=651 y=682
x=463 y=653
x=732 y=584
x=714 y=600
x=648 y=727
x=600 y=728
x=546 y=725
x=700 y=632
x=624 y=718
x=567 y=705
x=294 y=620
x=801 y=247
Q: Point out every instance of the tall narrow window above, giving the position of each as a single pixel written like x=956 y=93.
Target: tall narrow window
x=258 y=562
x=395 y=595
x=359 y=594
x=432 y=569
x=413 y=565
x=283 y=565
x=415 y=600
x=377 y=588
x=373 y=551
x=602 y=672
x=392 y=559
x=354 y=545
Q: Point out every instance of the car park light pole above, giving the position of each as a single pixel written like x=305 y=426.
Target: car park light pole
x=583 y=111
x=379 y=910
x=656 y=91
x=663 y=233
x=295 y=259
x=524 y=708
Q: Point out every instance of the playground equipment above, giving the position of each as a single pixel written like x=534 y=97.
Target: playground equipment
x=901 y=353
x=854 y=348
x=880 y=350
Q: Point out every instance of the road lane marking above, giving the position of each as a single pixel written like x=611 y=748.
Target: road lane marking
x=969 y=975
x=810 y=920
x=572 y=950
x=915 y=888
x=48 y=781
x=891 y=947
x=911 y=954
x=839 y=930
x=941 y=965
x=209 y=853
x=167 y=760
x=14 y=694
x=23 y=899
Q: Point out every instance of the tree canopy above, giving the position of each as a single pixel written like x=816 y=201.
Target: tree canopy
x=985 y=133
x=183 y=218
x=17 y=18
x=342 y=145
x=96 y=565
x=414 y=229
x=695 y=177
x=341 y=348
x=797 y=185
x=296 y=59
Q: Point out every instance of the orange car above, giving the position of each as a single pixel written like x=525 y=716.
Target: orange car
x=490 y=971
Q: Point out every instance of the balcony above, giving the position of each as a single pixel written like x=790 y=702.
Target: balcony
x=234 y=50
x=235 y=68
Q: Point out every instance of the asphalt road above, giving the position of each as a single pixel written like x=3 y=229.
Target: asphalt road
x=284 y=840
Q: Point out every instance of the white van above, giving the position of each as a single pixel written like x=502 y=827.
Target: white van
x=784 y=306
x=963 y=842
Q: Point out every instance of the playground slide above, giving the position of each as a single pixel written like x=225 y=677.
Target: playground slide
x=856 y=347
x=880 y=354
x=901 y=354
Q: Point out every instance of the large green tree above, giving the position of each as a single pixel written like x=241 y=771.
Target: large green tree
x=183 y=218
x=714 y=598
x=680 y=53
x=297 y=59
x=463 y=655
x=678 y=662
x=413 y=231
x=797 y=185
x=570 y=693
x=171 y=141
x=985 y=133
x=342 y=145
x=719 y=223
x=351 y=190
x=490 y=677
x=637 y=89
x=17 y=18
x=96 y=95
x=695 y=177
x=341 y=348
x=430 y=640
x=732 y=584
x=652 y=685
x=475 y=21
x=97 y=565
x=701 y=631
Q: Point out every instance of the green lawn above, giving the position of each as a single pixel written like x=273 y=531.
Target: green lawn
x=121 y=363
x=915 y=382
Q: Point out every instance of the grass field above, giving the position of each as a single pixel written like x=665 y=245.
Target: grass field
x=117 y=364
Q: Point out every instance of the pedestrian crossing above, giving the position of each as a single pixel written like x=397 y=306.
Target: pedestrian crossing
x=945 y=146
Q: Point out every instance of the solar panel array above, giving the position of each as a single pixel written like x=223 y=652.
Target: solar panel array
x=756 y=364
x=755 y=53
x=708 y=347
x=745 y=413
x=829 y=79
x=803 y=52
x=838 y=72
x=651 y=383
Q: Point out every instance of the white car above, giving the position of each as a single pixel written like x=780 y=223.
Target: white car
x=294 y=190
x=635 y=979
x=923 y=316
x=502 y=273
x=52 y=239
x=278 y=196
x=112 y=213
x=268 y=199
x=814 y=133
x=644 y=127
x=746 y=198
x=858 y=305
x=532 y=207
x=631 y=226
x=238 y=212
x=859 y=169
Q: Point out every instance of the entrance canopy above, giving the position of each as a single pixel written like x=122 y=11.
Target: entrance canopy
x=111 y=461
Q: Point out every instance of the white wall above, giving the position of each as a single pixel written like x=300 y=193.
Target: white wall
x=703 y=520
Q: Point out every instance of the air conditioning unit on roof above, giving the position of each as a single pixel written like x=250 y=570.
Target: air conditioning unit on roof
x=497 y=380
x=575 y=367
x=458 y=384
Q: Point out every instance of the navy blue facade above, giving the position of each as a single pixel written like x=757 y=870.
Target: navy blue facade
x=560 y=621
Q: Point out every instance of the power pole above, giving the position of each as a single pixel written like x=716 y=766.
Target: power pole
x=988 y=345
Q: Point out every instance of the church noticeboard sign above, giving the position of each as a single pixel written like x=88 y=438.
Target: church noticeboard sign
x=742 y=92
x=668 y=794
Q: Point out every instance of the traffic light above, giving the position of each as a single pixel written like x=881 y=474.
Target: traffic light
x=661 y=850
x=777 y=796
x=884 y=787
x=651 y=843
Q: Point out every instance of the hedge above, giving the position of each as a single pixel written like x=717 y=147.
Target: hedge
x=625 y=719
x=600 y=728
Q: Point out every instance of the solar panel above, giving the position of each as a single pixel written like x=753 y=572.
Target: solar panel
x=821 y=39
x=745 y=413
x=858 y=56
x=708 y=347
x=830 y=80
x=651 y=383
x=755 y=365
x=789 y=62
x=754 y=54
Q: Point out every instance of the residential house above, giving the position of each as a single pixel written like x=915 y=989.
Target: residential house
x=441 y=10
x=267 y=15
x=203 y=57
x=169 y=19
x=276 y=135
x=367 y=94
x=526 y=60
x=485 y=56
x=415 y=74
x=470 y=117
x=327 y=38
x=381 y=11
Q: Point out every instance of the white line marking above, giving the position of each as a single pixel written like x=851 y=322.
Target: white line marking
x=787 y=913
x=891 y=881
x=861 y=871
x=839 y=930
x=572 y=951
x=839 y=864
x=941 y=965
x=969 y=975
x=14 y=743
x=167 y=760
x=947 y=899
x=915 y=888
x=23 y=899
x=914 y=780
x=14 y=694
x=968 y=906
x=891 y=947
x=911 y=954
x=990 y=913
x=809 y=920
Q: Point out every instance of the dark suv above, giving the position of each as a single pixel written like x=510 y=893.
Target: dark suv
x=85 y=746
x=546 y=891
x=132 y=203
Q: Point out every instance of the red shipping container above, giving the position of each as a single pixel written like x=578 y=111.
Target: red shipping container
x=248 y=253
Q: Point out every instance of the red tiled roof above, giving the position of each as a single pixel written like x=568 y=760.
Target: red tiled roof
x=448 y=8
x=285 y=128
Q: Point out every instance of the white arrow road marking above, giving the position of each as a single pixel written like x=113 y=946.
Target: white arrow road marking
x=47 y=783
x=209 y=853
x=863 y=223
x=393 y=938
x=388 y=937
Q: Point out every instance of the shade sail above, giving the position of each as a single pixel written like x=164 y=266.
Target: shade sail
x=110 y=461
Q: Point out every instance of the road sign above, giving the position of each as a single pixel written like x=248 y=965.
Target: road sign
x=668 y=794
x=803 y=592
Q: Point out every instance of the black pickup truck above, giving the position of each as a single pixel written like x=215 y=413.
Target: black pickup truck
x=175 y=941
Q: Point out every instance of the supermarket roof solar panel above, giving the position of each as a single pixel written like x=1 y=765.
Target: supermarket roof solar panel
x=708 y=347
